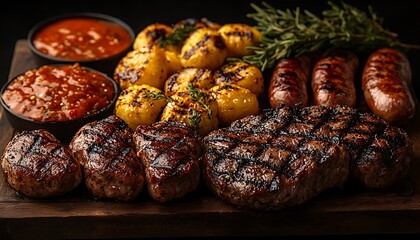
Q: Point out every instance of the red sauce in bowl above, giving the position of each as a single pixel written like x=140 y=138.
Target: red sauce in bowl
x=58 y=93
x=80 y=39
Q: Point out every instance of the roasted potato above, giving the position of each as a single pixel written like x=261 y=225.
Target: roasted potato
x=199 y=77
x=142 y=67
x=204 y=48
x=195 y=107
x=150 y=36
x=234 y=102
x=243 y=74
x=140 y=105
x=238 y=37
x=173 y=62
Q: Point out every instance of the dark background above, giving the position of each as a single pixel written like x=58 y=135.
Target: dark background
x=400 y=16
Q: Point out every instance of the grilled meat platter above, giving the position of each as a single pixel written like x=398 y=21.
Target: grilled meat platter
x=192 y=115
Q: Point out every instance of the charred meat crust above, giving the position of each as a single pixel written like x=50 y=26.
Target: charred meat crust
x=106 y=151
x=170 y=152
x=289 y=155
x=36 y=164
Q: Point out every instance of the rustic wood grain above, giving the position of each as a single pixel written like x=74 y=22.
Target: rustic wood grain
x=348 y=210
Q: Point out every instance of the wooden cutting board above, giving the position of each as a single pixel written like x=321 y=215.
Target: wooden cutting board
x=348 y=210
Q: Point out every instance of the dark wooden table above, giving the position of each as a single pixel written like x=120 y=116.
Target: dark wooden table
x=348 y=210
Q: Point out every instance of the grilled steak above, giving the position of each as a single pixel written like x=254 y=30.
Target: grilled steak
x=170 y=152
x=36 y=164
x=106 y=151
x=289 y=155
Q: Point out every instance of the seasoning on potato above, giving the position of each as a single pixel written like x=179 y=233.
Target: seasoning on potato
x=199 y=77
x=151 y=35
x=140 y=105
x=154 y=35
x=195 y=107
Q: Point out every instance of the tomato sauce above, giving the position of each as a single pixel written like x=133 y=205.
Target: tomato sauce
x=58 y=93
x=82 y=39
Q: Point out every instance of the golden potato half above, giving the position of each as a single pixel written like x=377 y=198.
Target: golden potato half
x=140 y=105
x=234 y=102
x=238 y=37
x=243 y=74
x=151 y=35
x=199 y=77
x=195 y=107
x=142 y=67
x=204 y=48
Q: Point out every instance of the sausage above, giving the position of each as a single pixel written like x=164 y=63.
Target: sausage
x=385 y=83
x=333 y=79
x=288 y=83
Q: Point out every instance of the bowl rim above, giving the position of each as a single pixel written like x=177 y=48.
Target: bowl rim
x=66 y=122
x=105 y=17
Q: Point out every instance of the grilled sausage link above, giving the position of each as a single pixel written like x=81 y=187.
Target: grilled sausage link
x=385 y=83
x=288 y=84
x=333 y=79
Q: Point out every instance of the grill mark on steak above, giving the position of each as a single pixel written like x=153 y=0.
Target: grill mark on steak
x=253 y=159
x=180 y=141
x=296 y=152
x=170 y=152
x=36 y=164
x=179 y=136
x=106 y=150
x=32 y=148
x=104 y=145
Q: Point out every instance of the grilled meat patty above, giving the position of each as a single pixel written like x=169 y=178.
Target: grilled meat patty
x=36 y=164
x=288 y=155
x=170 y=152
x=106 y=151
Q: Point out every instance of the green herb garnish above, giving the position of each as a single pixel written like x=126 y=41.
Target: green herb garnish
x=178 y=36
x=194 y=118
x=292 y=33
x=155 y=95
x=200 y=97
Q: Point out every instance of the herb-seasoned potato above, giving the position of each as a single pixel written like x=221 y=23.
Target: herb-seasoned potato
x=142 y=67
x=238 y=37
x=140 y=105
x=234 y=102
x=195 y=107
x=199 y=77
x=150 y=36
x=243 y=74
x=204 y=48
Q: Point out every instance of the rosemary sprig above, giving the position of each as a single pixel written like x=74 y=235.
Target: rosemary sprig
x=178 y=36
x=199 y=97
x=194 y=118
x=295 y=32
x=153 y=95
